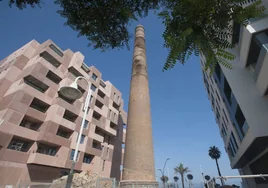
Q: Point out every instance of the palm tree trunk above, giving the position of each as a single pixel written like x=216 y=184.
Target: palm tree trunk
x=182 y=180
x=219 y=172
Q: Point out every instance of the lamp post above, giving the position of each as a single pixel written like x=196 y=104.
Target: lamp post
x=72 y=92
x=163 y=171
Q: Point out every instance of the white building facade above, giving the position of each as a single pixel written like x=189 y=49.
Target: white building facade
x=239 y=99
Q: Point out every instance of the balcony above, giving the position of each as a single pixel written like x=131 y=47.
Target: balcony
x=53 y=77
x=47 y=160
x=85 y=68
x=49 y=58
x=99 y=104
x=110 y=130
x=98 y=120
x=96 y=145
x=99 y=135
x=14 y=156
x=102 y=84
x=20 y=144
x=64 y=132
x=44 y=148
x=88 y=158
x=30 y=123
x=35 y=83
x=39 y=105
x=70 y=116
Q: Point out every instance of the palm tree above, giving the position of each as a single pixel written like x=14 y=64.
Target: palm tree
x=164 y=179
x=176 y=179
x=181 y=170
x=215 y=154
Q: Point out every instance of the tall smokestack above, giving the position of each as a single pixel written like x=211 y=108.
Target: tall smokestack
x=138 y=164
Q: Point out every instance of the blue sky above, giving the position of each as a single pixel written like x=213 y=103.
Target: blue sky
x=184 y=126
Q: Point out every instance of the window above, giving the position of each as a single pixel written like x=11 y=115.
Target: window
x=211 y=89
x=218 y=96
x=225 y=115
x=212 y=100
x=85 y=124
x=239 y=116
x=72 y=155
x=102 y=84
x=218 y=71
x=224 y=132
x=39 y=105
x=233 y=141
x=19 y=144
x=236 y=33
x=74 y=72
x=70 y=116
x=96 y=115
x=232 y=147
x=123 y=146
x=96 y=145
x=30 y=123
x=91 y=98
x=227 y=91
x=103 y=165
x=230 y=151
x=35 y=83
x=242 y=127
x=82 y=139
x=113 y=125
x=217 y=114
x=93 y=87
x=85 y=68
x=53 y=77
x=49 y=58
x=98 y=104
x=101 y=94
x=46 y=149
x=56 y=50
x=94 y=77
x=88 y=158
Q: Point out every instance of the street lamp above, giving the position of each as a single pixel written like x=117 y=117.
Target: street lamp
x=163 y=171
x=72 y=92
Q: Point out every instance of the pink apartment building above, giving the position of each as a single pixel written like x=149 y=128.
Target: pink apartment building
x=39 y=127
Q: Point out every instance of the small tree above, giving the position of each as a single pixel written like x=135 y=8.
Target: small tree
x=164 y=179
x=191 y=26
